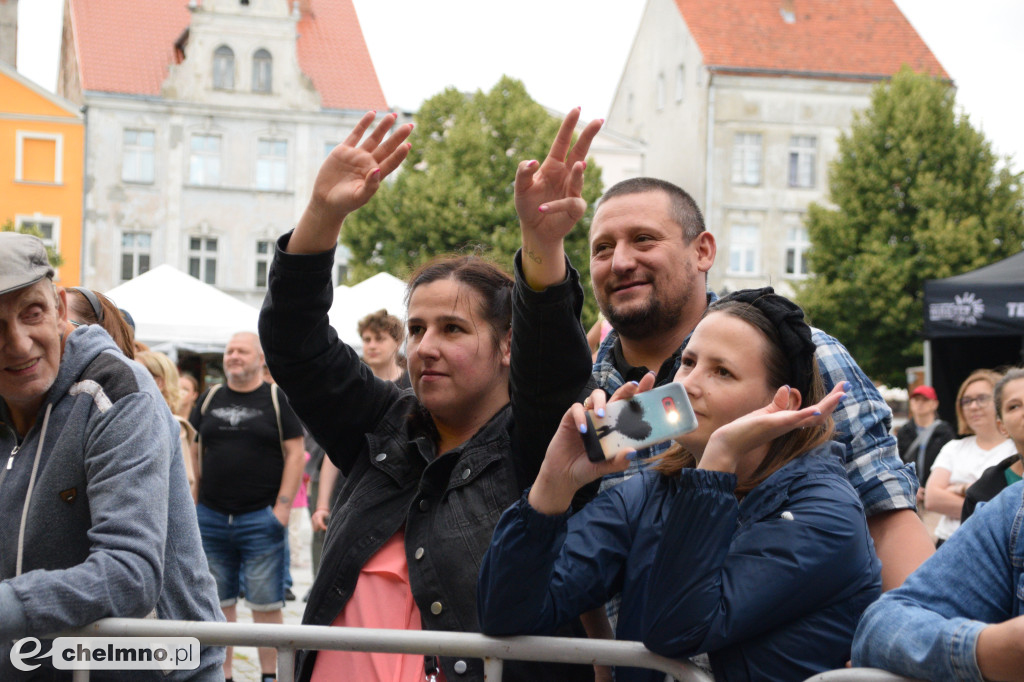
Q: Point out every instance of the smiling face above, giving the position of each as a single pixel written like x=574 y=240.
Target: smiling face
x=458 y=370
x=978 y=408
x=32 y=320
x=723 y=371
x=644 y=272
x=1012 y=412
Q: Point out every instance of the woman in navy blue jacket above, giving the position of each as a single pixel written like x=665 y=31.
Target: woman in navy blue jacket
x=745 y=541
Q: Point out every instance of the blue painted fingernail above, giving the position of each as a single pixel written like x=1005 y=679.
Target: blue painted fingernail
x=583 y=427
x=847 y=385
x=842 y=397
x=631 y=455
x=817 y=414
x=635 y=383
x=600 y=411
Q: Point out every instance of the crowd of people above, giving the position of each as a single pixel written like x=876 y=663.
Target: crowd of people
x=450 y=488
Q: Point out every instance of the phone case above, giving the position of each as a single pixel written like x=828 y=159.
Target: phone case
x=653 y=417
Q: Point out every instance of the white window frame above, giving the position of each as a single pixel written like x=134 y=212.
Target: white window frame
x=264 y=259
x=659 y=89
x=274 y=161
x=53 y=241
x=219 y=58
x=206 y=157
x=19 y=156
x=203 y=257
x=260 y=58
x=804 y=156
x=797 y=243
x=136 y=251
x=137 y=153
x=680 y=83
x=747 y=250
x=746 y=159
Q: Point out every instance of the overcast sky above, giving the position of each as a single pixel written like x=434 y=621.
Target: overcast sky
x=571 y=52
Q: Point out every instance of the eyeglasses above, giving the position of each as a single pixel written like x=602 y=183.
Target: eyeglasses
x=981 y=400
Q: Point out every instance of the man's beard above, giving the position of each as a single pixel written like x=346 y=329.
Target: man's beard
x=650 y=318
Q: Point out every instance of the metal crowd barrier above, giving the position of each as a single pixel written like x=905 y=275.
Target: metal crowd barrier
x=493 y=650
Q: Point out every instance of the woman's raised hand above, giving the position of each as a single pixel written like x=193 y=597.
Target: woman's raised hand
x=348 y=177
x=566 y=467
x=549 y=200
x=742 y=438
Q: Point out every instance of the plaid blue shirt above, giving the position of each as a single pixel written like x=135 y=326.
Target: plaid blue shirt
x=863 y=420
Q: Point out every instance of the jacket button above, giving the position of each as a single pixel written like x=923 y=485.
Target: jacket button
x=381 y=457
x=460 y=667
x=424 y=505
x=436 y=608
x=465 y=474
x=786 y=516
x=419 y=553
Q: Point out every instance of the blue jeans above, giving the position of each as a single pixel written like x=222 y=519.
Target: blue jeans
x=250 y=544
x=929 y=627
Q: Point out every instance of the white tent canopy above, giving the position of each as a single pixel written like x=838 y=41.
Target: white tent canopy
x=174 y=311
x=351 y=304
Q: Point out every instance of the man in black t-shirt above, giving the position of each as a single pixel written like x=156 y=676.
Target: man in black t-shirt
x=249 y=463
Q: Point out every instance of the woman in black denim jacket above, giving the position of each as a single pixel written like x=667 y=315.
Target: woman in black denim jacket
x=432 y=468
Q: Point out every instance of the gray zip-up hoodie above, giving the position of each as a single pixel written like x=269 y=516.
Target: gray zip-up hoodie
x=96 y=519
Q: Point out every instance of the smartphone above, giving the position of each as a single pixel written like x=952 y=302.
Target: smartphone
x=652 y=417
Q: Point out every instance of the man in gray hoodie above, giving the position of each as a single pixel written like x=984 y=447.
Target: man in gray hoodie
x=96 y=518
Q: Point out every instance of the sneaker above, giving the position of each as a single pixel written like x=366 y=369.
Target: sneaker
x=289 y=595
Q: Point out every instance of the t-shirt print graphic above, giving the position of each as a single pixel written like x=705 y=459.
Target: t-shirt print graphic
x=235 y=415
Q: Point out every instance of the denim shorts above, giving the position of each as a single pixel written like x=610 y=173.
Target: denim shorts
x=252 y=542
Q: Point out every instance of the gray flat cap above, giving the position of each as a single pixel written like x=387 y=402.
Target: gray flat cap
x=23 y=261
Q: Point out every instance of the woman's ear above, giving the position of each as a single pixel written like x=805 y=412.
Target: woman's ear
x=505 y=346
x=795 y=399
x=1002 y=428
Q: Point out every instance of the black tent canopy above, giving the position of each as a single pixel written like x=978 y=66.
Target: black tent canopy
x=972 y=321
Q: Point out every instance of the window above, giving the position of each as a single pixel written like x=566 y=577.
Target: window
x=680 y=82
x=262 y=71
x=746 y=159
x=264 y=252
x=744 y=250
x=137 y=156
x=802 y=149
x=272 y=164
x=135 y=250
x=328 y=148
x=204 y=160
x=46 y=227
x=797 y=244
x=223 y=68
x=660 y=91
x=39 y=157
x=340 y=273
x=202 y=258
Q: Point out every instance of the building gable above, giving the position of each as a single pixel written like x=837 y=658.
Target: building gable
x=22 y=97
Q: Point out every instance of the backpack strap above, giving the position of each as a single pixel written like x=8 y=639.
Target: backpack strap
x=277 y=412
x=202 y=410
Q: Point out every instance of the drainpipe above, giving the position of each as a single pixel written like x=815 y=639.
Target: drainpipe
x=85 y=178
x=709 y=154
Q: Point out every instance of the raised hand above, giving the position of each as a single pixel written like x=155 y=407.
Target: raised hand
x=566 y=467
x=549 y=200
x=735 y=447
x=348 y=177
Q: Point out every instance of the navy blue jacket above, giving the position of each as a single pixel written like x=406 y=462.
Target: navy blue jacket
x=771 y=587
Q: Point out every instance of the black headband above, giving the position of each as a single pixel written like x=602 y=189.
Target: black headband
x=794 y=332
x=97 y=309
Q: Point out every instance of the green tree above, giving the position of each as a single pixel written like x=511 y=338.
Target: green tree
x=917 y=194
x=51 y=253
x=455 y=192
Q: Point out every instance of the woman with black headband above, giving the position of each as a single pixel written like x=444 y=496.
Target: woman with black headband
x=86 y=306
x=744 y=541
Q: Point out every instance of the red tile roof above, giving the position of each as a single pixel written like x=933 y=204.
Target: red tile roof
x=126 y=46
x=848 y=38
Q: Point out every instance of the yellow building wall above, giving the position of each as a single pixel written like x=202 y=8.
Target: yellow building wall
x=42 y=147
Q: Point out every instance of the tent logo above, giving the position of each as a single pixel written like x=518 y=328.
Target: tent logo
x=965 y=310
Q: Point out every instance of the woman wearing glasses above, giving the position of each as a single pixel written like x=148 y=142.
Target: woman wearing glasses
x=961 y=462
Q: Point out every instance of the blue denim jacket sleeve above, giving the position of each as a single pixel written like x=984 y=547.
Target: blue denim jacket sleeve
x=928 y=628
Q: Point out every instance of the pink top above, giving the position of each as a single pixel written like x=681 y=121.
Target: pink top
x=382 y=599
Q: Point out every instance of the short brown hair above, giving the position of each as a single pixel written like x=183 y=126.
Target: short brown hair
x=684 y=209
x=381 y=322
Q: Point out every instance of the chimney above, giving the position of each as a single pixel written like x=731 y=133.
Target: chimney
x=9 y=32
